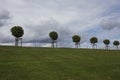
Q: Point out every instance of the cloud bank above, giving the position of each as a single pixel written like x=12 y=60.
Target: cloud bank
x=86 y=18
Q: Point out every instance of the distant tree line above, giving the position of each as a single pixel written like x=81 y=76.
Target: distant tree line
x=18 y=32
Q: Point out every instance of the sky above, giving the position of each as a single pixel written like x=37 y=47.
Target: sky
x=86 y=18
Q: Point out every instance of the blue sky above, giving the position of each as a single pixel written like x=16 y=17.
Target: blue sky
x=86 y=18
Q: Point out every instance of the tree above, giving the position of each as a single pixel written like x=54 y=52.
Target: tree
x=17 y=32
x=76 y=39
x=93 y=41
x=54 y=36
x=116 y=43
x=106 y=42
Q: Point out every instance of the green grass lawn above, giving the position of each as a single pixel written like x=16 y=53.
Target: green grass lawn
x=18 y=63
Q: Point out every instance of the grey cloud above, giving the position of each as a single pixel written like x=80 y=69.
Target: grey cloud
x=1 y=23
x=111 y=23
x=4 y=16
x=40 y=32
x=71 y=16
x=68 y=3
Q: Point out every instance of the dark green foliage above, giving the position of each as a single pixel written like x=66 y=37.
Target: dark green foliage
x=76 y=39
x=17 y=31
x=116 y=43
x=93 y=40
x=106 y=42
x=54 y=36
x=18 y=63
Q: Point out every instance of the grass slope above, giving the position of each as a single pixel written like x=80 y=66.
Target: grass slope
x=58 y=64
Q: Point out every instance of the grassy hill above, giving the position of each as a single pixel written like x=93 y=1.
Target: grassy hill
x=18 y=63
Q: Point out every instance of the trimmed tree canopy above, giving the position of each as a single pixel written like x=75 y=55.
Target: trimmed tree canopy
x=116 y=43
x=106 y=41
x=76 y=38
x=53 y=35
x=17 y=31
x=93 y=40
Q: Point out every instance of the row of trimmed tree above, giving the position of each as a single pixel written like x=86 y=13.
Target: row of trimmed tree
x=93 y=41
x=18 y=32
x=107 y=42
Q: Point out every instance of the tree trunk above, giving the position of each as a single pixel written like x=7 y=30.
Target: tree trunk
x=56 y=44
x=16 y=41
x=93 y=45
x=117 y=47
x=21 y=41
x=77 y=45
x=52 y=43
x=107 y=47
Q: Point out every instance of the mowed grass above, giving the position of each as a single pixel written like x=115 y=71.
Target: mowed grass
x=18 y=63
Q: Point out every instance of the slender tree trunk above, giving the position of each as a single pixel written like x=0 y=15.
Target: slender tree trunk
x=21 y=42
x=117 y=47
x=56 y=44
x=93 y=45
x=52 y=43
x=77 y=44
x=107 y=47
x=16 y=41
